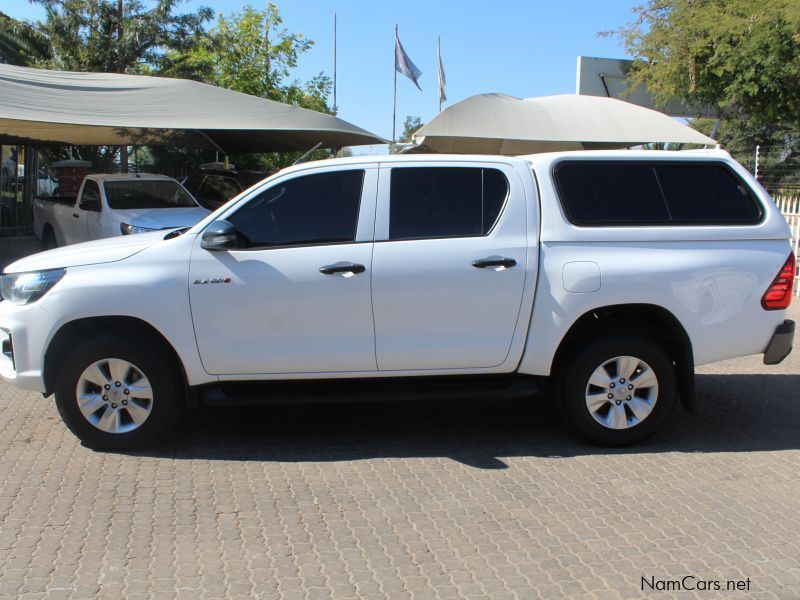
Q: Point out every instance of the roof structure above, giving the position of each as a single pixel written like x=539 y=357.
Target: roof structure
x=502 y=124
x=111 y=109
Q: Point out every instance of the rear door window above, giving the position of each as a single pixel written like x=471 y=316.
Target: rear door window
x=603 y=193
x=443 y=202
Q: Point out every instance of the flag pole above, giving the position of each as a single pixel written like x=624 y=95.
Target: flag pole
x=335 y=107
x=394 y=101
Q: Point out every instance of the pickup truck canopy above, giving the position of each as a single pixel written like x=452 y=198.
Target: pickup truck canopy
x=109 y=108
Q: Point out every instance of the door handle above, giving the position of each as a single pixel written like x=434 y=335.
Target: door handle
x=76 y=215
x=342 y=267
x=494 y=261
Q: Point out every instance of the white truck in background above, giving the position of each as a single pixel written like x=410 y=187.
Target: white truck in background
x=111 y=205
x=600 y=277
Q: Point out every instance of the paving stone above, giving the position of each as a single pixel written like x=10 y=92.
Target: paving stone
x=413 y=500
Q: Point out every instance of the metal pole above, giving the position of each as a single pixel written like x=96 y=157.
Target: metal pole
x=335 y=106
x=394 y=95
x=123 y=149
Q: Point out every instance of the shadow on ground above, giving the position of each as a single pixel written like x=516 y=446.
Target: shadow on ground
x=738 y=413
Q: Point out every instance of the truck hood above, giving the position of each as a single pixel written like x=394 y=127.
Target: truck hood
x=162 y=218
x=88 y=253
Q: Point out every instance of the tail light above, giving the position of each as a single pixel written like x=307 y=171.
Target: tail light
x=779 y=293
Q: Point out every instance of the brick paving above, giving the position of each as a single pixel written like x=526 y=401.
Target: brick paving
x=465 y=500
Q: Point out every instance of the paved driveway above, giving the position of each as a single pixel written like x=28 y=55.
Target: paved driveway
x=469 y=500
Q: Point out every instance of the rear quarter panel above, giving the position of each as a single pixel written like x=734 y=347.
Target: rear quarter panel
x=53 y=213
x=713 y=288
x=711 y=278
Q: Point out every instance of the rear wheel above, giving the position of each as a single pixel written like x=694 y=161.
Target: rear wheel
x=118 y=394
x=618 y=390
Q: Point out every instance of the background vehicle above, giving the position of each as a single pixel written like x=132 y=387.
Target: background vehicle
x=111 y=205
x=214 y=185
x=604 y=277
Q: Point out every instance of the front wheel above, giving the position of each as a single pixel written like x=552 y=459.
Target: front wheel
x=118 y=394
x=618 y=390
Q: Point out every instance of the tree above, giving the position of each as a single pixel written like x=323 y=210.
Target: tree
x=122 y=36
x=20 y=43
x=740 y=55
x=779 y=149
x=251 y=53
x=410 y=125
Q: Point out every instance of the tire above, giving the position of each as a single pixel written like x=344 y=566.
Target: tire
x=124 y=417
x=634 y=410
x=49 y=239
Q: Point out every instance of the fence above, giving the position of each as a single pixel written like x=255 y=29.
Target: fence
x=789 y=205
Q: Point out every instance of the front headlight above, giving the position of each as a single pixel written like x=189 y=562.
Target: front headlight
x=128 y=229
x=24 y=288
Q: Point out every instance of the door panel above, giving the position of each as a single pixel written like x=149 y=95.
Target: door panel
x=73 y=224
x=279 y=313
x=433 y=308
x=283 y=303
x=78 y=217
x=97 y=226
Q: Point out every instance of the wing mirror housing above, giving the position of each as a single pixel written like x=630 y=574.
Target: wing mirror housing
x=220 y=235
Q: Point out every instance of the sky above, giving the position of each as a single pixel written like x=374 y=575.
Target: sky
x=522 y=48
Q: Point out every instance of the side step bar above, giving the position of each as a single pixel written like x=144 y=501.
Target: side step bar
x=368 y=390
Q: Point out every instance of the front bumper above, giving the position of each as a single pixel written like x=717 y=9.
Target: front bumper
x=781 y=343
x=23 y=332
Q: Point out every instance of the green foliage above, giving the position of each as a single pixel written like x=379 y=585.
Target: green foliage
x=779 y=149
x=20 y=43
x=250 y=52
x=740 y=55
x=410 y=125
x=88 y=35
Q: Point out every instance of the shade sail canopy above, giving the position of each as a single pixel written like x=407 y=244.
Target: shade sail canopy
x=501 y=124
x=109 y=108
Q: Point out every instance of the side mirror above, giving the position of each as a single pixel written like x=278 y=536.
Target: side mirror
x=220 y=235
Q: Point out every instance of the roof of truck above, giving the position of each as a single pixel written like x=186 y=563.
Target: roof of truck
x=707 y=153
x=530 y=158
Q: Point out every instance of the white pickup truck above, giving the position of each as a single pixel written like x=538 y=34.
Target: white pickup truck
x=111 y=205
x=600 y=278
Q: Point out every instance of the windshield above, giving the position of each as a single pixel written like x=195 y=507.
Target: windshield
x=147 y=193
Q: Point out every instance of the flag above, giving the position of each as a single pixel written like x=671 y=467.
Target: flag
x=442 y=79
x=403 y=64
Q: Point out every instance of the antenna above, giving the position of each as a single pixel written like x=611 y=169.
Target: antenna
x=302 y=158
